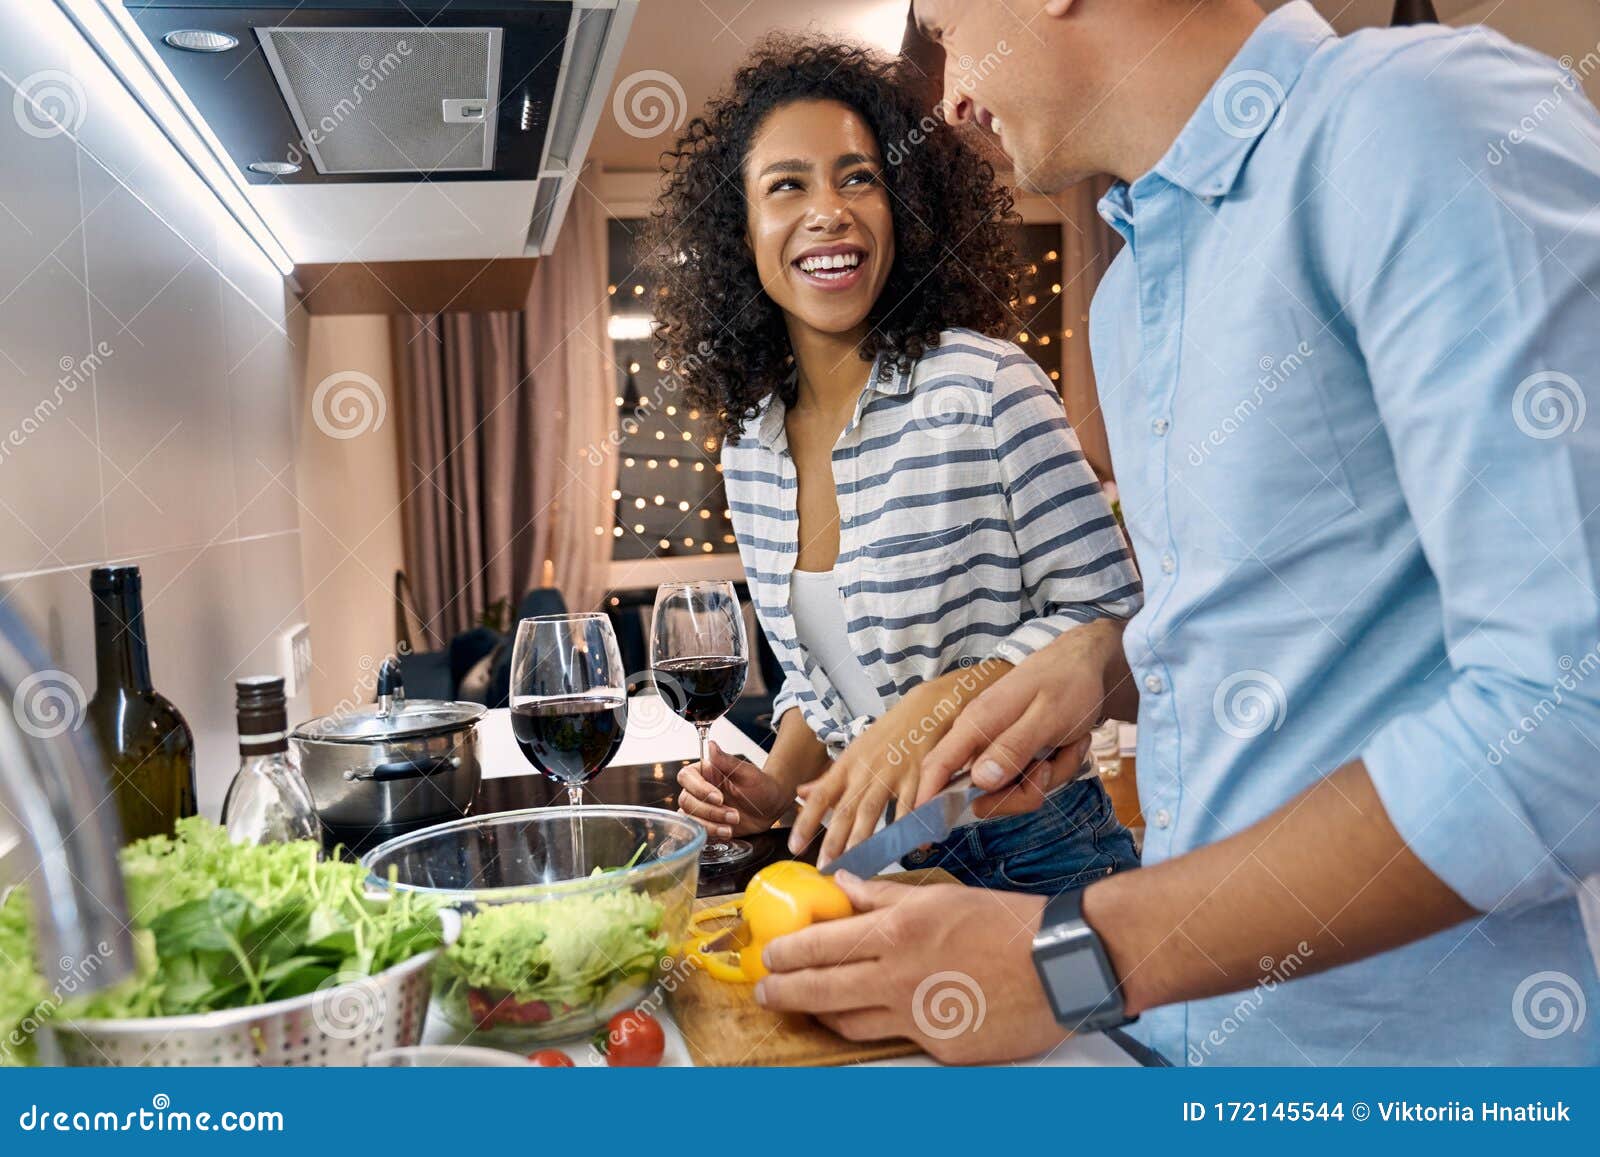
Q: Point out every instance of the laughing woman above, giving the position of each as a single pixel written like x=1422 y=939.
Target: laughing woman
x=911 y=507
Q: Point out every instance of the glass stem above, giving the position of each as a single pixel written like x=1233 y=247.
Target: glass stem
x=575 y=823
x=705 y=758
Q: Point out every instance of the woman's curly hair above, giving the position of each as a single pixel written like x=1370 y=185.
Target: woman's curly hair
x=955 y=262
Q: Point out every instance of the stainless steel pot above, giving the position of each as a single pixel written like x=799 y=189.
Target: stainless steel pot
x=398 y=762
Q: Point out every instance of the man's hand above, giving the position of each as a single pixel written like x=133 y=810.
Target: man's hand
x=1053 y=699
x=947 y=967
x=731 y=796
x=885 y=763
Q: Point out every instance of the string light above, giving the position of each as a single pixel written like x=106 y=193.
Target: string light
x=1055 y=375
x=599 y=530
x=707 y=547
x=1023 y=338
x=671 y=410
x=661 y=500
x=1066 y=333
x=673 y=462
x=1033 y=299
x=612 y=290
x=627 y=461
x=651 y=463
x=1056 y=288
x=705 y=514
x=729 y=539
x=638 y=528
x=694 y=415
x=616 y=494
x=688 y=542
x=683 y=506
x=638 y=503
x=1044 y=339
x=665 y=544
x=1052 y=255
x=638 y=291
x=699 y=467
x=633 y=367
x=660 y=434
x=619 y=399
x=616 y=532
x=687 y=435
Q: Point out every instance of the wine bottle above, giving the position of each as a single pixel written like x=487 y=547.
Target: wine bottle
x=148 y=746
x=268 y=801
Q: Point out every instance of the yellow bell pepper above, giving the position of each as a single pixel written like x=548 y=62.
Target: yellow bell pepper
x=781 y=898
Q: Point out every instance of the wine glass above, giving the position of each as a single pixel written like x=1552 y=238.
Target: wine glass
x=569 y=699
x=698 y=657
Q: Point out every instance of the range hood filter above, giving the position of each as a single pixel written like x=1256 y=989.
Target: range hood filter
x=389 y=100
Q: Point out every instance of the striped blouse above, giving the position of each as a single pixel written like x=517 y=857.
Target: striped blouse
x=970 y=526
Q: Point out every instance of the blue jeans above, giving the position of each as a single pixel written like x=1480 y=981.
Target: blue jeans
x=1073 y=840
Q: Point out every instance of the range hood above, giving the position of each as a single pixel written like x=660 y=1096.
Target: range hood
x=392 y=130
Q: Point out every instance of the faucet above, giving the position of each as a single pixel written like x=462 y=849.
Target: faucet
x=54 y=784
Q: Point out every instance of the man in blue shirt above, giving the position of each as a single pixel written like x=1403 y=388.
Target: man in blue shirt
x=1345 y=361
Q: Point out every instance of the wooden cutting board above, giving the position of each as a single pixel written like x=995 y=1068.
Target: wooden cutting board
x=724 y=1027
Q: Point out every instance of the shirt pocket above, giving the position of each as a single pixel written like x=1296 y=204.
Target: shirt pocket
x=1257 y=470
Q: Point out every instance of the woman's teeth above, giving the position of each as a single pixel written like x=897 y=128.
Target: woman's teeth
x=831 y=268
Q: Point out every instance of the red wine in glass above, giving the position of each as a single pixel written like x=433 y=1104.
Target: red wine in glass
x=570 y=739
x=701 y=689
x=569 y=704
x=699 y=657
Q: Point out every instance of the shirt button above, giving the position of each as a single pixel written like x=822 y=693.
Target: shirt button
x=1153 y=684
x=1160 y=426
x=1168 y=564
x=1163 y=818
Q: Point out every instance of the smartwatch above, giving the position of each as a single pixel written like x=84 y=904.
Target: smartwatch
x=1075 y=970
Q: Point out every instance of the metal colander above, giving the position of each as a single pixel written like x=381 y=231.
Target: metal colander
x=335 y=1026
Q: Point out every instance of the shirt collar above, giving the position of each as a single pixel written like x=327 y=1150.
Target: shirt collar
x=886 y=377
x=1210 y=153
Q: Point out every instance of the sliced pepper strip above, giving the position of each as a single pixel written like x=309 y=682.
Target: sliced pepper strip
x=723 y=965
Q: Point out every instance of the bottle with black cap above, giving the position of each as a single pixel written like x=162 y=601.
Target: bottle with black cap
x=147 y=744
x=268 y=801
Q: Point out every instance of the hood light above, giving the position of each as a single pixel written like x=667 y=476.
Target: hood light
x=199 y=40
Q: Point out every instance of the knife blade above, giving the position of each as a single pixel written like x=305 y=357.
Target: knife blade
x=928 y=824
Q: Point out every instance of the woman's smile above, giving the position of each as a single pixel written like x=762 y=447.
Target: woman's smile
x=832 y=268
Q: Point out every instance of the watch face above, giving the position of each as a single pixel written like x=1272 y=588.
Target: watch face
x=1075 y=981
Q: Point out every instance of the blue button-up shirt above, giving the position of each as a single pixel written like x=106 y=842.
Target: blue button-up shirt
x=1345 y=360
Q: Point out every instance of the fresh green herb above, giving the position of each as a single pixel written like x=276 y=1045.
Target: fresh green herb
x=219 y=925
x=632 y=860
x=22 y=992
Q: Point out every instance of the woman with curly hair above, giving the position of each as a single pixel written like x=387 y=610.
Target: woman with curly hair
x=911 y=507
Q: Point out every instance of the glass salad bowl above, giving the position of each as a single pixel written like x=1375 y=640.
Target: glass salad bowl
x=570 y=914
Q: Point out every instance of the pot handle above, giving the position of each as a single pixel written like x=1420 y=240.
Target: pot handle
x=408 y=769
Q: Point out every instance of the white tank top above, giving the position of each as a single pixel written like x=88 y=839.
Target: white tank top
x=821 y=628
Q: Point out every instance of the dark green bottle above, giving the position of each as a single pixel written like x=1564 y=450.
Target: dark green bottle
x=149 y=748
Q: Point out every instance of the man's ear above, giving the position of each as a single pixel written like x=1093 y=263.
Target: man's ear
x=1057 y=7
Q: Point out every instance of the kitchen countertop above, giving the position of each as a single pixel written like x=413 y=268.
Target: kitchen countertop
x=645 y=771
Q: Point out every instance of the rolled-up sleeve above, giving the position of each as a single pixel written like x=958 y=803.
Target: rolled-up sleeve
x=1471 y=299
x=1076 y=567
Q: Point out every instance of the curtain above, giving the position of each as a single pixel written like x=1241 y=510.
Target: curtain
x=508 y=427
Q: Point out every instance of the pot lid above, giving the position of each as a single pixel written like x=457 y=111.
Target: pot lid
x=393 y=716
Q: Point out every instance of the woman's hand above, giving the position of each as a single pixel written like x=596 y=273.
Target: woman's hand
x=731 y=796
x=886 y=762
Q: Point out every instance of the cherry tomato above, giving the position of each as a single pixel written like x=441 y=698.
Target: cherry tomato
x=632 y=1040
x=552 y=1059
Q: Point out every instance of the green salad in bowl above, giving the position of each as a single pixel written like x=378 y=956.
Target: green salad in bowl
x=569 y=915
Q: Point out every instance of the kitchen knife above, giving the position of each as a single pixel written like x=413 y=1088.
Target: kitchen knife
x=928 y=824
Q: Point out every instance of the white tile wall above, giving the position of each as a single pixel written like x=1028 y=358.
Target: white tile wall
x=176 y=451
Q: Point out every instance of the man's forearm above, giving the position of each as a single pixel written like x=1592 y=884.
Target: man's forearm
x=1328 y=870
